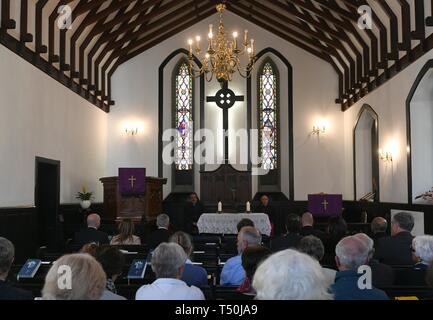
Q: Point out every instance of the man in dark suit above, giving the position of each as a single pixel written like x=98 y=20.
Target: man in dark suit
x=191 y=213
x=308 y=229
x=162 y=234
x=91 y=234
x=266 y=207
x=396 y=249
x=291 y=238
x=8 y=292
x=378 y=229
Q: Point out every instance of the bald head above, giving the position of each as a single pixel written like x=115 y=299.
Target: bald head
x=247 y=237
x=307 y=219
x=94 y=221
x=367 y=241
x=351 y=253
x=378 y=224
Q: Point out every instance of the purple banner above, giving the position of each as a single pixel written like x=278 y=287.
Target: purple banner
x=325 y=205
x=132 y=180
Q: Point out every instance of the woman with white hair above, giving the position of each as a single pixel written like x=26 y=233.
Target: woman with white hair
x=291 y=275
x=168 y=262
x=74 y=277
x=422 y=252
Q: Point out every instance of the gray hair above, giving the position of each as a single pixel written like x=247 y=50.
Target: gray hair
x=404 y=220
x=367 y=241
x=163 y=221
x=423 y=246
x=379 y=224
x=184 y=240
x=352 y=252
x=312 y=246
x=7 y=253
x=167 y=259
x=251 y=235
x=291 y=275
x=88 y=279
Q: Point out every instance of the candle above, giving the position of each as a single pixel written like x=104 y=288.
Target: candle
x=190 y=46
x=235 y=39
x=220 y=207
x=248 y=207
x=252 y=46
x=197 y=43
x=246 y=37
x=210 y=31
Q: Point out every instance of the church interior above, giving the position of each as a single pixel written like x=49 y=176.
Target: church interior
x=124 y=114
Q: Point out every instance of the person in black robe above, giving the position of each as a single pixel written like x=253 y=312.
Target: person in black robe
x=192 y=212
x=266 y=207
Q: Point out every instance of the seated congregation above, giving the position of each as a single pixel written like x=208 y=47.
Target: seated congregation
x=305 y=263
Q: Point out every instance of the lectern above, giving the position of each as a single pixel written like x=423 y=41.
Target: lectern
x=118 y=206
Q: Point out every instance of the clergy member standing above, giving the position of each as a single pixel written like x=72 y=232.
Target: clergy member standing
x=191 y=213
x=266 y=207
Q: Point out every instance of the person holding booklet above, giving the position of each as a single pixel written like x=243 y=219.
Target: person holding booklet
x=8 y=292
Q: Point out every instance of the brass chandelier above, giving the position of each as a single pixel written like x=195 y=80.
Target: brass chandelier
x=222 y=58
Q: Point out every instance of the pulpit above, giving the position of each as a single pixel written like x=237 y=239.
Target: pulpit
x=119 y=206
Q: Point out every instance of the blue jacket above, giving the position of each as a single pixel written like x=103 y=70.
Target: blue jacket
x=194 y=275
x=233 y=274
x=346 y=288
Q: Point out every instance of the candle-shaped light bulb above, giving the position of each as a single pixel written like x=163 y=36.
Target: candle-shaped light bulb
x=197 y=46
x=246 y=37
x=235 y=40
x=252 y=46
x=190 y=45
x=210 y=31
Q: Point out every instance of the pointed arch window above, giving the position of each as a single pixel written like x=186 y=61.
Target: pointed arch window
x=268 y=115
x=183 y=119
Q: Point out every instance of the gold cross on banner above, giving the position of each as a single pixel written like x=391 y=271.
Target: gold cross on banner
x=325 y=204
x=132 y=179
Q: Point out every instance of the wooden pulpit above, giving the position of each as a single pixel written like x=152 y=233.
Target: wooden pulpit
x=118 y=206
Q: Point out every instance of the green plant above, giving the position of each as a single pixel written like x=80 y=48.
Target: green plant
x=84 y=195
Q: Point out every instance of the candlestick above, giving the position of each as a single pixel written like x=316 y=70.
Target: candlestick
x=235 y=40
x=248 y=207
x=197 y=48
x=246 y=38
x=252 y=46
x=190 y=46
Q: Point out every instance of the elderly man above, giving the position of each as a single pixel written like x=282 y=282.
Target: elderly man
x=7 y=292
x=422 y=248
x=396 y=249
x=233 y=273
x=161 y=234
x=382 y=274
x=313 y=246
x=91 y=234
x=351 y=254
x=378 y=228
x=290 y=275
x=308 y=229
x=168 y=262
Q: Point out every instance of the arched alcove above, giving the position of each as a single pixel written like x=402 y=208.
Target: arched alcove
x=419 y=107
x=365 y=157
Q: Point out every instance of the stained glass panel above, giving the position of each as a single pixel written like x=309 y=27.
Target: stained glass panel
x=268 y=117
x=183 y=119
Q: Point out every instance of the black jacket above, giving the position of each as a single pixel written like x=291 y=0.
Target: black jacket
x=395 y=250
x=191 y=214
x=269 y=210
x=311 y=231
x=287 y=241
x=7 y=292
x=90 y=235
x=157 y=237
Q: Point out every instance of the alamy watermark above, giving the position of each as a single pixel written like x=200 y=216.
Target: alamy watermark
x=64 y=279
x=365 y=281
x=64 y=21
x=365 y=20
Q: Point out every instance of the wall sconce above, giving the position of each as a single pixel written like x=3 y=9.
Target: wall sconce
x=385 y=156
x=132 y=129
x=319 y=129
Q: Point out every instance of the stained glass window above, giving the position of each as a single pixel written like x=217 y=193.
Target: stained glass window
x=183 y=119
x=268 y=116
